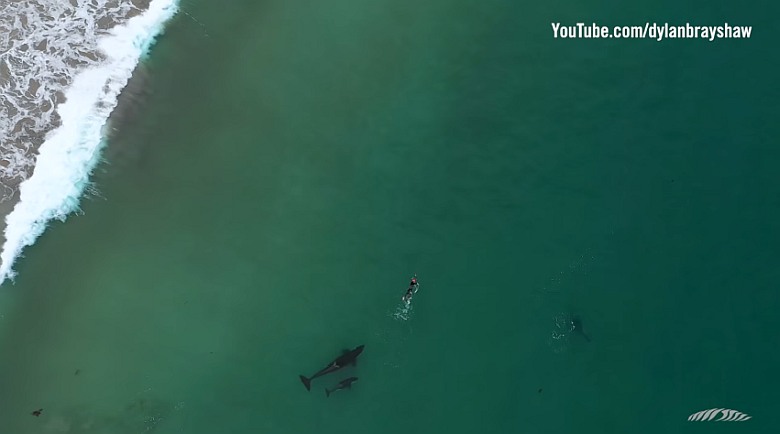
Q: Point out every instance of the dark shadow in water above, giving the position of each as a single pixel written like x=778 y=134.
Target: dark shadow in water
x=576 y=323
x=567 y=326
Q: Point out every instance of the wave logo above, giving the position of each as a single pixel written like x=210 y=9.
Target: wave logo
x=726 y=415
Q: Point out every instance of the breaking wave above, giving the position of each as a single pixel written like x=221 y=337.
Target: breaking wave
x=62 y=67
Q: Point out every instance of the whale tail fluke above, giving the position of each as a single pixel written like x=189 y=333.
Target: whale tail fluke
x=306 y=382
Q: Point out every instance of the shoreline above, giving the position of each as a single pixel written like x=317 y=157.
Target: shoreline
x=65 y=161
x=129 y=105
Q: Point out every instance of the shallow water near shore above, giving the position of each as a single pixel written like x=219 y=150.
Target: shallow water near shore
x=295 y=163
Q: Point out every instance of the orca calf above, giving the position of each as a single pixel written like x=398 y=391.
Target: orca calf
x=346 y=358
x=343 y=384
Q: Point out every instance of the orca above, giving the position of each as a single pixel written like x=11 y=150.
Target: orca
x=576 y=326
x=343 y=384
x=346 y=358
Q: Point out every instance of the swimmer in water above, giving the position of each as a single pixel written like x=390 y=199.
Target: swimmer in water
x=411 y=290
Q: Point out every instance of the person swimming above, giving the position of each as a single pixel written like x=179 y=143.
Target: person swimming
x=413 y=285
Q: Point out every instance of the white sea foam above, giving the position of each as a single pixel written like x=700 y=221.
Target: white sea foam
x=70 y=152
x=43 y=44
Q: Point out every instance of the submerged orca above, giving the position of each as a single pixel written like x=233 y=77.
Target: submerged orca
x=343 y=384
x=576 y=326
x=346 y=358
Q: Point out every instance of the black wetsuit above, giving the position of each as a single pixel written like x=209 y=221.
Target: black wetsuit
x=410 y=291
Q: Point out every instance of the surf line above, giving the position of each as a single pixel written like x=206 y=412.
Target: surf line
x=71 y=151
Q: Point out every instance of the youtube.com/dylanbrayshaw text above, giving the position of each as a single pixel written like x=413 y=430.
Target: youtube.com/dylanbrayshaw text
x=658 y=32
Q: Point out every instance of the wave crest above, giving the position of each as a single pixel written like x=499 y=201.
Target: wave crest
x=71 y=150
x=42 y=46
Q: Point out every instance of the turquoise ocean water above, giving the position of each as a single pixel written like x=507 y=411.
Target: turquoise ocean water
x=290 y=166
